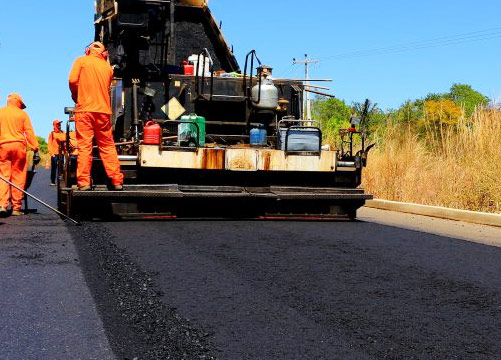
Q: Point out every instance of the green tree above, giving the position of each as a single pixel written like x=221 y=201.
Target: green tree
x=435 y=97
x=409 y=112
x=375 y=117
x=333 y=114
x=464 y=96
x=469 y=99
x=43 y=148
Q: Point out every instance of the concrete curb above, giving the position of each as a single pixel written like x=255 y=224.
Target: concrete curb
x=437 y=211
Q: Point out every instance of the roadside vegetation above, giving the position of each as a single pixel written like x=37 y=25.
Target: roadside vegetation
x=43 y=152
x=444 y=149
x=43 y=147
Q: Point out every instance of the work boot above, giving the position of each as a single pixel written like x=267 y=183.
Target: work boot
x=17 y=213
x=3 y=211
x=85 y=188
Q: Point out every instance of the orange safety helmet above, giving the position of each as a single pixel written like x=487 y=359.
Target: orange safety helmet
x=98 y=48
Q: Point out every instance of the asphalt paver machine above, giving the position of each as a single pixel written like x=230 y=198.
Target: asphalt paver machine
x=199 y=136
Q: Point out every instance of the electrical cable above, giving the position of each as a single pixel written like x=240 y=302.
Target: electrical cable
x=440 y=39
x=372 y=53
x=288 y=71
x=475 y=36
x=418 y=44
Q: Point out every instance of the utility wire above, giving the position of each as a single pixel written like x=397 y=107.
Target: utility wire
x=292 y=73
x=416 y=48
x=440 y=39
x=418 y=44
x=289 y=70
x=405 y=49
x=482 y=35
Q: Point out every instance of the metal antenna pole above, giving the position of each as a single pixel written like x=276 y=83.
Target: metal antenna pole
x=40 y=201
x=306 y=94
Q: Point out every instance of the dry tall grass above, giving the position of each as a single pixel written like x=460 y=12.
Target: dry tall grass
x=457 y=167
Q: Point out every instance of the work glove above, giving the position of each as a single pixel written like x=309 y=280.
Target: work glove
x=36 y=158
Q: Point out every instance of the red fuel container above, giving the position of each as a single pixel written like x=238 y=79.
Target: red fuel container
x=189 y=70
x=152 y=134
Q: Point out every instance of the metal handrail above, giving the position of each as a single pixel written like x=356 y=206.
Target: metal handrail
x=201 y=89
x=246 y=89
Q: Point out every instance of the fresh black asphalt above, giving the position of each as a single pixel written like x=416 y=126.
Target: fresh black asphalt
x=253 y=290
x=313 y=290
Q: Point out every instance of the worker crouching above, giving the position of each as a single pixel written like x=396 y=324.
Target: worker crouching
x=16 y=132
x=90 y=82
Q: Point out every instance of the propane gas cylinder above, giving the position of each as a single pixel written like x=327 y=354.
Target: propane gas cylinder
x=265 y=95
x=152 y=134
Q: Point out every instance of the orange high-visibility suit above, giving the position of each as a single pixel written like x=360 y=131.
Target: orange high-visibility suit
x=16 y=132
x=90 y=81
x=57 y=139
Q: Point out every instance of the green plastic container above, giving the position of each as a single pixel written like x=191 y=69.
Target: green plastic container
x=187 y=133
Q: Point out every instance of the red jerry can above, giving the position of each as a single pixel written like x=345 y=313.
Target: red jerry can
x=152 y=134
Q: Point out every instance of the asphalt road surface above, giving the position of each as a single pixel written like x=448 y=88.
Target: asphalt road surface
x=47 y=311
x=389 y=286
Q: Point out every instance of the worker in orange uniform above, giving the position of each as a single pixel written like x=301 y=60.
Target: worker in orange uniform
x=16 y=132
x=90 y=82
x=72 y=149
x=56 y=139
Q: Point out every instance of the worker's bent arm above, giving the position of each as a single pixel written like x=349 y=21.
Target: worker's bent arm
x=74 y=79
x=30 y=133
x=50 y=145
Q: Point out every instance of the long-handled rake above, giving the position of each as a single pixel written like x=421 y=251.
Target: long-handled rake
x=40 y=201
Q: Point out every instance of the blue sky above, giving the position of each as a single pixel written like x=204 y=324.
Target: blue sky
x=40 y=40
